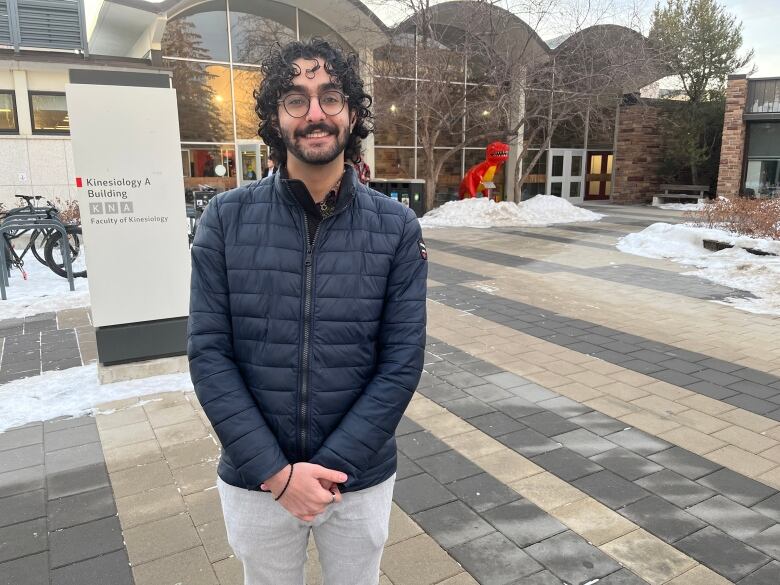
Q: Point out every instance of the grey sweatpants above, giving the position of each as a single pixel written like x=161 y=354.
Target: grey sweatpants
x=271 y=543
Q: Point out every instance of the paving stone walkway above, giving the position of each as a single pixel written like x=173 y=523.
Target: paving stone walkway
x=44 y=343
x=584 y=417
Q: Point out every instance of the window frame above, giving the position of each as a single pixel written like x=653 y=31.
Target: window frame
x=30 y=95
x=15 y=130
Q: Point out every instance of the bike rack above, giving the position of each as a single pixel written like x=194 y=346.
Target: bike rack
x=25 y=223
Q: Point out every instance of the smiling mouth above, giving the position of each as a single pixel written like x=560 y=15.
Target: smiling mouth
x=317 y=134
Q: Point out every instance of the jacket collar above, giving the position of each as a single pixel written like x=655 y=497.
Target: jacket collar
x=347 y=190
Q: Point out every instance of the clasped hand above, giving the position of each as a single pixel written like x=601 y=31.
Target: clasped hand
x=311 y=489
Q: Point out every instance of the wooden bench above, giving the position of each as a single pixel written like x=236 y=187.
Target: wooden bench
x=693 y=192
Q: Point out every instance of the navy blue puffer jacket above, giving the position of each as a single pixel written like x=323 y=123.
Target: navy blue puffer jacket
x=306 y=354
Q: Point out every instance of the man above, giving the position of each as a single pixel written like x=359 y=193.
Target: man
x=307 y=332
x=270 y=168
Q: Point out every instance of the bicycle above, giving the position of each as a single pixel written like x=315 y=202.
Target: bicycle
x=46 y=238
x=32 y=245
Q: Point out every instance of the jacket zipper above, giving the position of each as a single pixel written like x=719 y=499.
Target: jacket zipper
x=307 y=307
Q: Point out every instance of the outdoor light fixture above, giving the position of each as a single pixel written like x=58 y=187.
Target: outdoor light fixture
x=393 y=108
x=218 y=98
x=485 y=113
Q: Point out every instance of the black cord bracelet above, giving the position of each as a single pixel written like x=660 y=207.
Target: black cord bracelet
x=289 y=477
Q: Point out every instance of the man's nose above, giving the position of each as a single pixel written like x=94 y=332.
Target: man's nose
x=315 y=113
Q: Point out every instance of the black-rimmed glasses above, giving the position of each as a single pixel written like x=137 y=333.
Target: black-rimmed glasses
x=297 y=104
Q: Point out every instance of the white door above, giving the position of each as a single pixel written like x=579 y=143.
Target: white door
x=565 y=173
x=250 y=163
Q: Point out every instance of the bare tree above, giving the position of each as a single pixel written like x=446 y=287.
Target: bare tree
x=518 y=91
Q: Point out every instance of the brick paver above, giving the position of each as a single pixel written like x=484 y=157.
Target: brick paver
x=584 y=415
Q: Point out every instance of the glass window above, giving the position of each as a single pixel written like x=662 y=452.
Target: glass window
x=309 y=26
x=763 y=177
x=485 y=119
x=764 y=139
x=538 y=173
x=439 y=114
x=569 y=134
x=245 y=81
x=9 y=123
x=255 y=25
x=394 y=163
x=595 y=164
x=531 y=190
x=393 y=112
x=199 y=32
x=556 y=188
x=574 y=189
x=557 y=165
x=49 y=113
x=601 y=128
x=204 y=101
x=204 y=166
x=450 y=175
x=395 y=59
x=764 y=95
x=576 y=165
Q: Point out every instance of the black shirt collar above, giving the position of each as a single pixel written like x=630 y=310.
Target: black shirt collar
x=304 y=198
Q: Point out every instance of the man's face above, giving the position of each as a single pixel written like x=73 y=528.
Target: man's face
x=316 y=138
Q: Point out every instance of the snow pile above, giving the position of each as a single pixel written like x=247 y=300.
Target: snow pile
x=733 y=267
x=682 y=206
x=481 y=212
x=42 y=292
x=73 y=392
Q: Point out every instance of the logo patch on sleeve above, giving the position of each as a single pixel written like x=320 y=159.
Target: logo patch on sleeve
x=423 y=250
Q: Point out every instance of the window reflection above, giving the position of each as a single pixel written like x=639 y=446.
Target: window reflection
x=204 y=101
x=198 y=33
x=201 y=166
x=255 y=25
x=394 y=163
x=394 y=112
x=245 y=81
x=8 y=112
x=49 y=113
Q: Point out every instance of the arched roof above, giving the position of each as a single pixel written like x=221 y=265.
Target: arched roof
x=351 y=19
x=622 y=50
x=503 y=31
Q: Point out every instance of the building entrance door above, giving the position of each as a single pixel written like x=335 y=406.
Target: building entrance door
x=565 y=173
x=250 y=161
x=598 y=181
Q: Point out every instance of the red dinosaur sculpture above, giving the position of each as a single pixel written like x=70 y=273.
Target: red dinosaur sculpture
x=475 y=178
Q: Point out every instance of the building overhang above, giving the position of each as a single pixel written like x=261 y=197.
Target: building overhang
x=134 y=27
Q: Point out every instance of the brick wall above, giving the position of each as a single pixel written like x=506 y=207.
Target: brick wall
x=732 y=149
x=639 y=152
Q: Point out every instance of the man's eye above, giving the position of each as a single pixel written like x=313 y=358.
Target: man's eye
x=330 y=99
x=296 y=101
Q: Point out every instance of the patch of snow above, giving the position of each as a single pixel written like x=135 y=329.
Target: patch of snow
x=482 y=212
x=43 y=291
x=73 y=392
x=733 y=267
x=682 y=206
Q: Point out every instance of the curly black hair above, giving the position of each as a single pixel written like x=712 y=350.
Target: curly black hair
x=278 y=72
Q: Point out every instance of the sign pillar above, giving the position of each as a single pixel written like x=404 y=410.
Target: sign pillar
x=126 y=150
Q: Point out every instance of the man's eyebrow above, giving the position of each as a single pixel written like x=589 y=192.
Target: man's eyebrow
x=322 y=87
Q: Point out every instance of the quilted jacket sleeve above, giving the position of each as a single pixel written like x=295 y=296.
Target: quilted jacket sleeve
x=246 y=439
x=373 y=418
